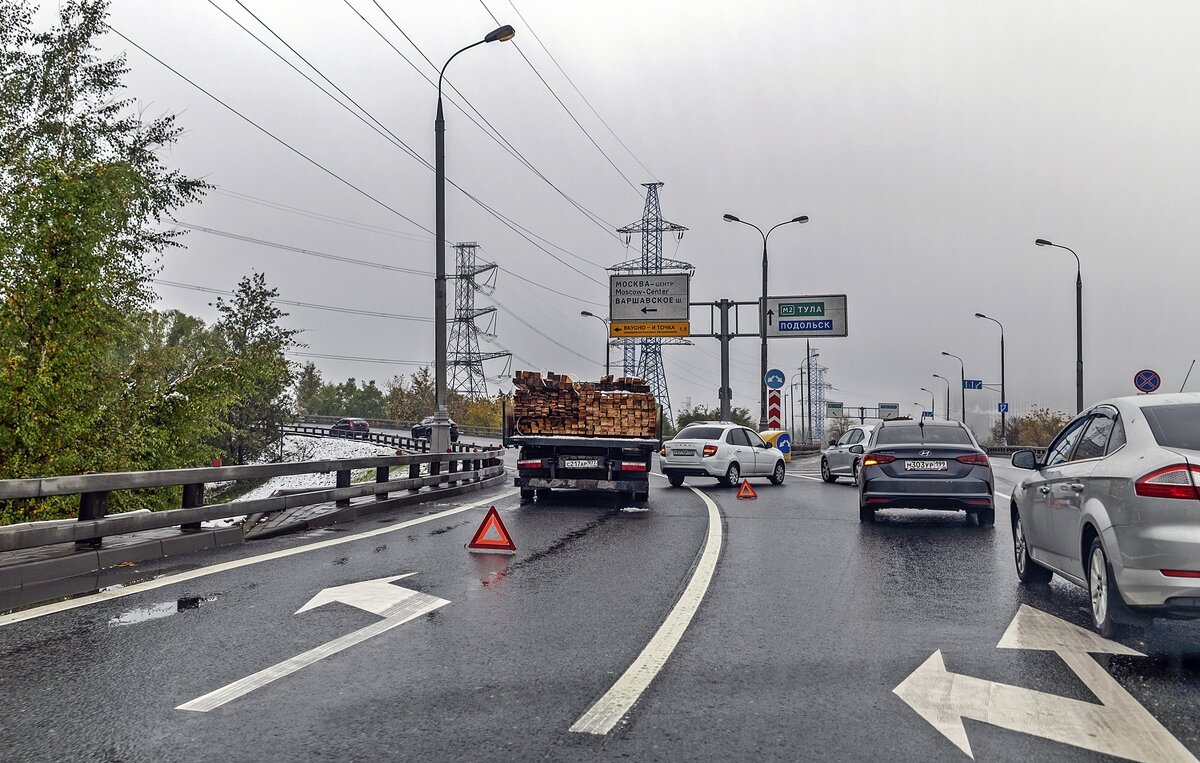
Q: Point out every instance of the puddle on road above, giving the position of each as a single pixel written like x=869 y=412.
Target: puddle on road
x=159 y=611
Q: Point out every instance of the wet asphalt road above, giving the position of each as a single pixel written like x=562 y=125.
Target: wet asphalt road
x=811 y=620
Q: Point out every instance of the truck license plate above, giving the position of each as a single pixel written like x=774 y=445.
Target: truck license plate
x=925 y=466
x=580 y=463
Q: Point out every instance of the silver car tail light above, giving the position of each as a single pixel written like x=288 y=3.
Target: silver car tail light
x=1177 y=481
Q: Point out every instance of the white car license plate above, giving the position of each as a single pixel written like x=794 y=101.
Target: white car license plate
x=683 y=452
x=580 y=463
x=925 y=466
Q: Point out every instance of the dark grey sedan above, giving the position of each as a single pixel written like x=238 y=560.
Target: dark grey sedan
x=925 y=465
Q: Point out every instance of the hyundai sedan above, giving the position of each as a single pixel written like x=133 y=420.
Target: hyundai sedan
x=1114 y=507
x=925 y=465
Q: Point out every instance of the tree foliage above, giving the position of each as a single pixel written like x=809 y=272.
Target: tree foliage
x=1036 y=429
x=704 y=413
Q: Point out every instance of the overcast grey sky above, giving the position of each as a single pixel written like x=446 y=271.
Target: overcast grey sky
x=930 y=143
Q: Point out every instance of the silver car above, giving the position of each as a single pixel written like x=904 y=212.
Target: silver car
x=843 y=457
x=1114 y=507
x=720 y=449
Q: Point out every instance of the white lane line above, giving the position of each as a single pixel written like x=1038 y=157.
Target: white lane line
x=610 y=708
x=181 y=577
x=806 y=477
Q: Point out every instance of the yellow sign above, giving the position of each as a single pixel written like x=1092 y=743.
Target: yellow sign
x=620 y=329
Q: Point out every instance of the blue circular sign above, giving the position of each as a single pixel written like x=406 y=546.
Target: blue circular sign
x=775 y=379
x=784 y=443
x=1146 y=380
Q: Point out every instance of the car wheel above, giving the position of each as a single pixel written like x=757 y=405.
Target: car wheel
x=526 y=494
x=1029 y=572
x=854 y=473
x=827 y=475
x=675 y=479
x=779 y=474
x=866 y=514
x=1107 y=605
x=733 y=476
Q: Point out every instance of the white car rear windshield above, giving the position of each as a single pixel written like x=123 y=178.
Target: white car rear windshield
x=700 y=433
x=1175 y=426
x=915 y=433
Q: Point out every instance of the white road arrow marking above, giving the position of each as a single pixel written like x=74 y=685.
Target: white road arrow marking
x=1118 y=726
x=395 y=604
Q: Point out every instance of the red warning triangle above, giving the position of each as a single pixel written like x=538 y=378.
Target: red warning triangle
x=492 y=536
x=745 y=492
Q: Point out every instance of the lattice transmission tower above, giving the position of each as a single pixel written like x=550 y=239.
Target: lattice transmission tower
x=465 y=359
x=816 y=422
x=643 y=357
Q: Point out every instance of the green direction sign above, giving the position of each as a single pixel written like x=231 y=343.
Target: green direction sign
x=801 y=309
x=810 y=315
x=833 y=409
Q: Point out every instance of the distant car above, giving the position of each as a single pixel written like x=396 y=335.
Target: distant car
x=1114 y=506
x=351 y=428
x=925 y=465
x=720 y=449
x=421 y=431
x=844 y=456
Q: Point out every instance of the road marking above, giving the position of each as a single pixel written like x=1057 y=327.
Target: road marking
x=394 y=604
x=806 y=477
x=1117 y=726
x=181 y=577
x=610 y=708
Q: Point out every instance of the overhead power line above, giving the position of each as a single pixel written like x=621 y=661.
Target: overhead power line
x=369 y=227
x=272 y=136
x=358 y=359
x=330 y=308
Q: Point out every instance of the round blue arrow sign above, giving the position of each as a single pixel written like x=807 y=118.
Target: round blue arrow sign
x=775 y=379
x=1146 y=380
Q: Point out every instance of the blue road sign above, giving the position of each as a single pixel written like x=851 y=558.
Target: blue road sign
x=1146 y=380
x=774 y=379
x=972 y=383
x=927 y=414
x=1003 y=407
x=784 y=443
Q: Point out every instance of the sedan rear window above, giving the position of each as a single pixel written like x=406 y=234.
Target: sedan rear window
x=905 y=433
x=1175 y=426
x=700 y=433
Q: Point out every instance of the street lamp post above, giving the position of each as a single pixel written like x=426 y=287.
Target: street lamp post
x=1003 y=396
x=1078 y=322
x=963 y=367
x=439 y=435
x=943 y=378
x=762 y=311
x=932 y=405
x=792 y=388
x=607 y=346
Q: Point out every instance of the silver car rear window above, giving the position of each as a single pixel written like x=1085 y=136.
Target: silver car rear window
x=905 y=433
x=700 y=433
x=1175 y=426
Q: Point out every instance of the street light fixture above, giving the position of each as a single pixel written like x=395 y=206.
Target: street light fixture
x=932 y=405
x=762 y=310
x=1003 y=396
x=963 y=416
x=1078 y=322
x=607 y=346
x=439 y=434
x=943 y=378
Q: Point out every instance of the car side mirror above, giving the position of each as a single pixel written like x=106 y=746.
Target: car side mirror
x=856 y=449
x=832 y=443
x=1024 y=459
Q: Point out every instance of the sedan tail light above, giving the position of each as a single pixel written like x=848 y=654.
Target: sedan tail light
x=874 y=459
x=1169 y=482
x=980 y=459
x=710 y=450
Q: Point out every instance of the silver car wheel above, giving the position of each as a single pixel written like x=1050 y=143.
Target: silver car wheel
x=1098 y=585
x=1019 y=545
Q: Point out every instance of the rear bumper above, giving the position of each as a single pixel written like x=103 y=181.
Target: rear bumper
x=690 y=471
x=616 y=486
x=946 y=495
x=1139 y=551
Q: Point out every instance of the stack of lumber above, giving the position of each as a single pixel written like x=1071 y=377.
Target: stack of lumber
x=558 y=405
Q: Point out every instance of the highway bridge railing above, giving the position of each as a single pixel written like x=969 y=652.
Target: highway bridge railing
x=470 y=431
x=93 y=524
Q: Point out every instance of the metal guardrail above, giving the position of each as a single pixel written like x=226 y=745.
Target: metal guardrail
x=471 y=431
x=379 y=438
x=1008 y=450
x=93 y=489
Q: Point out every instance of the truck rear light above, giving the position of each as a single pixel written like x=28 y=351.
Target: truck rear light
x=874 y=459
x=634 y=466
x=530 y=463
x=1175 y=481
x=1181 y=573
x=980 y=459
x=710 y=450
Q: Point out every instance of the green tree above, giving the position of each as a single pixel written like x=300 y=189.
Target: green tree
x=82 y=194
x=1035 y=429
x=308 y=385
x=249 y=324
x=702 y=413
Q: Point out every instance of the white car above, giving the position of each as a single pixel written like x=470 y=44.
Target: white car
x=720 y=449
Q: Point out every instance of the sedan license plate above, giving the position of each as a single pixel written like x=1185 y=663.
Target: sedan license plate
x=580 y=463
x=683 y=452
x=925 y=466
